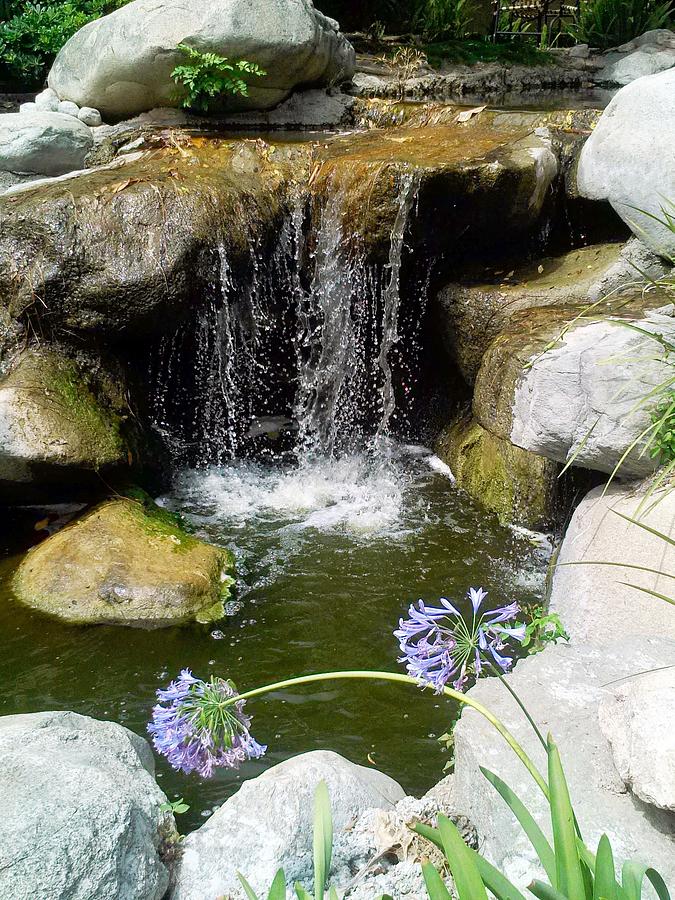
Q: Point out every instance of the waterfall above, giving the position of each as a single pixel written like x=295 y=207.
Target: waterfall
x=306 y=335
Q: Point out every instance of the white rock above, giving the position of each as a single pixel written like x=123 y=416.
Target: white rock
x=590 y=598
x=638 y=720
x=562 y=688
x=121 y=64
x=47 y=100
x=648 y=54
x=44 y=143
x=28 y=108
x=68 y=108
x=80 y=811
x=90 y=116
x=268 y=824
x=581 y=396
x=629 y=159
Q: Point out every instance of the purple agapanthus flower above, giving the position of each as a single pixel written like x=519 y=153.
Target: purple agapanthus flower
x=440 y=646
x=199 y=727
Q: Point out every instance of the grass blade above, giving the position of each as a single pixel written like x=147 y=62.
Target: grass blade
x=536 y=836
x=569 y=876
x=468 y=881
x=323 y=839
x=649 y=591
x=654 y=531
x=278 y=889
x=248 y=890
x=633 y=874
x=605 y=886
x=619 y=565
x=545 y=891
x=435 y=886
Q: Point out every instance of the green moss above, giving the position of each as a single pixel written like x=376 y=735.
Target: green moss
x=159 y=522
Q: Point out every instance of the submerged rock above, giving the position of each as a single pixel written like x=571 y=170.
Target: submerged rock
x=81 y=811
x=587 y=596
x=121 y=64
x=637 y=720
x=42 y=142
x=268 y=824
x=126 y=562
x=58 y=425
x=518 y=486
x=628 y=159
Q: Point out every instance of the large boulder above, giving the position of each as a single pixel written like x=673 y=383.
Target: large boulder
x=81 y=813
x=268 y=824
x=57 y=427
x=126 y=562
x=121 y=64
x=562 y=689
x=590 y=582
x=651 y=52
x=44 y=143
x=629 y=158
x=637 y=720
x=570 y=387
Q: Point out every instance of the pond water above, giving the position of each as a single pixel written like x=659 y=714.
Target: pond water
x=329 y=554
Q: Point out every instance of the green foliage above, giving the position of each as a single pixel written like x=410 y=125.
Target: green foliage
x=609 y=23
x=474 y=50
x=205 y=76
x=177 y=807
x=34 y=32
x=663 y=440
x=441 y=20
x=543 y=629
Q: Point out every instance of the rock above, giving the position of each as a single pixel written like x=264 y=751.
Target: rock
x=58 y=424
x=588 y=597
x=304 y=109
x=68 y=108
x=637 y=265
x=637 y=720
x=46 y=143
x=518 y=486
x=268 y=824
x=28 y=107
x=562 y=688
x=126 y=562
x=628 y=158
x=47 y=100
x=121 y=64
x=565 y=388
x=651 y=52
x=90 y=116
x=81 y=811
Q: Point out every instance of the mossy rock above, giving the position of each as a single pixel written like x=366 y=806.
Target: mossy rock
x=127 y=562
x=520 y=487
x=52 y=423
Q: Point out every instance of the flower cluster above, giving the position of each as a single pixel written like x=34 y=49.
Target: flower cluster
x=199 y=726
x=439 y=646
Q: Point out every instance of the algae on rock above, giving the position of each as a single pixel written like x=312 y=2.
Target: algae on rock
x=520 y=487
x=126 y=562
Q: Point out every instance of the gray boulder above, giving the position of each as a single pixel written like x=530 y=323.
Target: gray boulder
x=648 y=54
x=47 y=100
x=268 y=824
x=562 y=689
x=588 y=597
x=46 y=143
x=637 y=720
x=629 y=159
x=81 y=812
x=68 y=108
x=90 y=116
x=121 y=64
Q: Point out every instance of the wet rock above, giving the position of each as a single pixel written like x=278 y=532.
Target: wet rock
x=637 y=721
x=126 y=562
x=651 y=52
x=565 y=387
x=46 y=143
x=58 y=425
x=121 y=64
x=562 y=688
x=304 y=109
x=268 y=824
x=81 y=811
x=518 y=486
x=587 y=597
x=628 y=158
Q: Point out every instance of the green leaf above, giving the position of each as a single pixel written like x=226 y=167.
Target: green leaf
x=468 y=882
x=605 y=887
x=569 y=877
x=633 y=874
x=534 y=833
x=545 y=891
x=278 y=889
x=301 y=893
x=436 y=889
x=323 y=839
x=248 y=890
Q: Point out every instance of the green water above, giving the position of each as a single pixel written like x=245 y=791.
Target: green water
x=329 y=556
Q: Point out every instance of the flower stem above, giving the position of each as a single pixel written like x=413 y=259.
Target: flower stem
x=521 y=705
x=405 y=679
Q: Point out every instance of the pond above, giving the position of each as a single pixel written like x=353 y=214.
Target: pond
x=329 y=555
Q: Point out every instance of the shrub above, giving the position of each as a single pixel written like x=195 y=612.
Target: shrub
x=205 y=76
x=34 y=32
x=609 y=23
x=442 y=20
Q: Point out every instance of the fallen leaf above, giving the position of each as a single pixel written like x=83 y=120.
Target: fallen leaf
x=42 y=524
x=467 y=114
